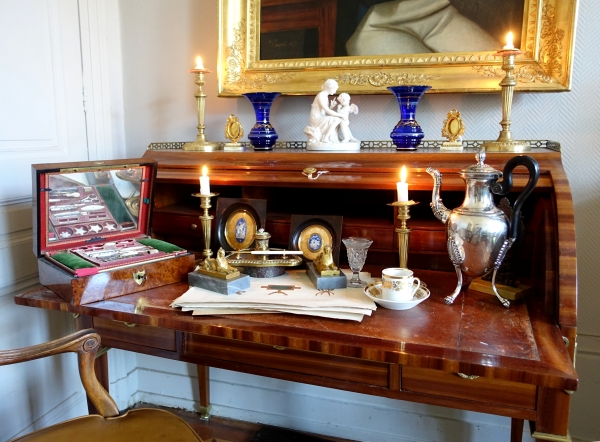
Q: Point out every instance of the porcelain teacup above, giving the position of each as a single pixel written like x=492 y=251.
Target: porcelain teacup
x=398 y=284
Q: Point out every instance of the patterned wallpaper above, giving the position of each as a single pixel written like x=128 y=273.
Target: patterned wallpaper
x=161 y=40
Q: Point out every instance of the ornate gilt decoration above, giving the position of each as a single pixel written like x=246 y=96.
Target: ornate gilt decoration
x=236 y=77
x=381 y=79
x=549 y=68
x=453 y=126
x=233 y=129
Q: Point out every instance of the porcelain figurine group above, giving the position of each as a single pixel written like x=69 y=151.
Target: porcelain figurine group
x=329 y=123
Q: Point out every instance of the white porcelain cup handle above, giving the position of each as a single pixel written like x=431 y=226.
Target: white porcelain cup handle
x=416 y=286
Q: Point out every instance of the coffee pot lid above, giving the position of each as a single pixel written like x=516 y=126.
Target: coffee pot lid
x=480 y=170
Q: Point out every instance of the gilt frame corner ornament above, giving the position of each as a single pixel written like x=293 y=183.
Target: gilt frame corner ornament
x=547 y=42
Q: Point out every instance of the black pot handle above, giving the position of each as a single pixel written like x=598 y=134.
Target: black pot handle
x=504 y=186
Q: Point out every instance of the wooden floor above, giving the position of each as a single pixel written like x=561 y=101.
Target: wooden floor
x=218 y=429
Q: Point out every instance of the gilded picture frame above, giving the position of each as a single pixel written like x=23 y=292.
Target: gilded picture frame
x=547 y=41
x=238 y=220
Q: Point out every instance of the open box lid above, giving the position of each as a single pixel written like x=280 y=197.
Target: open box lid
x=81 y=203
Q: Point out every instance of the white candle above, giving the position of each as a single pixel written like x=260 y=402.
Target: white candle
x=402 y=186
x=509 y=41
x=199 y=64
x=204 y=182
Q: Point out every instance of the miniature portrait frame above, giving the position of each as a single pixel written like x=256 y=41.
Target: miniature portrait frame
x=238 y=220
x=310 y=233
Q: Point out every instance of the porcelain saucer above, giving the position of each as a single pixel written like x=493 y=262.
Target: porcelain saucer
x=373 y=291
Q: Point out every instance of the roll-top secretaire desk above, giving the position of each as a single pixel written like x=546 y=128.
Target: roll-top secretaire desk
x=474 y=354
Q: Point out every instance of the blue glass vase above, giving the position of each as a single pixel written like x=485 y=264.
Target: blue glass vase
x=407 y=134
x=262 y=135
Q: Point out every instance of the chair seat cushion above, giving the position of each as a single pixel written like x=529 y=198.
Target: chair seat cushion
x=142 y=424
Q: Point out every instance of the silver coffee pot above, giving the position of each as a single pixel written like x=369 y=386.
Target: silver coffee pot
x=479 y=233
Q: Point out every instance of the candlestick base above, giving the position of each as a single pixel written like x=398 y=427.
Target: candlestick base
x=506 y=146
x=204 y=146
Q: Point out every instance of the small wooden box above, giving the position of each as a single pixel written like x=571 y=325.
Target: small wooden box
x=91 y=228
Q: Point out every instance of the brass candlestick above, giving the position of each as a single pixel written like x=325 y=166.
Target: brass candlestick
x=206 y=219
x=200 y=143
x=403 y=231
x=505 y=143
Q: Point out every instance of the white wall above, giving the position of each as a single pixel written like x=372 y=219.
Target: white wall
x=160 y=42
x=59 y=102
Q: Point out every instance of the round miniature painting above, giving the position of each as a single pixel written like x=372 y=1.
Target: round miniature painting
x=240 y=229
x=315 y=242
x=312 y=239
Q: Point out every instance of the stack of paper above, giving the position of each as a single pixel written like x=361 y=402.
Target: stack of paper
x=290 y=293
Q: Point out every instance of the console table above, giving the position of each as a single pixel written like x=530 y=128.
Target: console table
x=474 y=354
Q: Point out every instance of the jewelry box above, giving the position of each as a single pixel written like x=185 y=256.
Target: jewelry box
x=92 y=223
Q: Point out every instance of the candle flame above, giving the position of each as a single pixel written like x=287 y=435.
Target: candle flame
x=403 y=174
x=204 y=171
x=509 y=41
x=199 y=63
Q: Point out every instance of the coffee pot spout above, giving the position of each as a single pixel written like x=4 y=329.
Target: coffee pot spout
x=439 y=210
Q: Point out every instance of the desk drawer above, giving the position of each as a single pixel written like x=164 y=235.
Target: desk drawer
x=439 y=383
x=297 y=361
x=147 y=336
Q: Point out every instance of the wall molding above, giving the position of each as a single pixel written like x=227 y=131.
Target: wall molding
x=8 y=292
x=275 y=402
x=102 y=80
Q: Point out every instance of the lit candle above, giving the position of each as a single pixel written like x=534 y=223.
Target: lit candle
x=204 y=182
x=402 y=186
x=509 y=41
x=199 y=63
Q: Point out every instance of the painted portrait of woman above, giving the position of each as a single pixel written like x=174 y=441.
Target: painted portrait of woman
x=380 y=27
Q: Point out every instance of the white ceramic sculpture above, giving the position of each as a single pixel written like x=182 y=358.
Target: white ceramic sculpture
x=329 y=125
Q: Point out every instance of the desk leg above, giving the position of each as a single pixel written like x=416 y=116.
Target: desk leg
x=204 y=387
x=516 y=430
x=552 y=423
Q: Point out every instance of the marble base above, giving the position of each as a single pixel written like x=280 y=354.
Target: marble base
x=342 y=147
x=325 y=282
x=451 y=145
x=264 y=272
x=218 y=285
x=234 y=147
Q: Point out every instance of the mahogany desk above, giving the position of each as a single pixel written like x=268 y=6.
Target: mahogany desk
x=525 y=369
x=521 y=364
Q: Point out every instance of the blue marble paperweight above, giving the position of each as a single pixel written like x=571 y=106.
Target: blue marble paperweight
x=326 y=282
x=219 y=285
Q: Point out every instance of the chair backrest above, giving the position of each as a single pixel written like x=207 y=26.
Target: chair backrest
x=86 y=344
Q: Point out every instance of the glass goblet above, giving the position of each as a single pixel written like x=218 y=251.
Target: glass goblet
x=357 y=254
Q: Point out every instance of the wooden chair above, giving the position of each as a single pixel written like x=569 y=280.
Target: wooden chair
x=141 y=424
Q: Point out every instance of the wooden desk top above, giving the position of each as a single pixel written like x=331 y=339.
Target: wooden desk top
x=475 y=335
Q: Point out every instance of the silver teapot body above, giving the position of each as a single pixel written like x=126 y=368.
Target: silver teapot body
x=478 y=233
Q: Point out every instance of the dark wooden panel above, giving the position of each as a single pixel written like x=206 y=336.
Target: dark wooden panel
x=138 y=334
x=281 y=358
x=493 y=391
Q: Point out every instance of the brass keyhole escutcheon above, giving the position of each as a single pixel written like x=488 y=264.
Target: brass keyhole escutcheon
x=140 y=277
